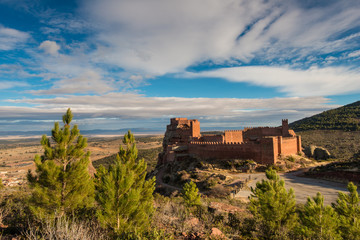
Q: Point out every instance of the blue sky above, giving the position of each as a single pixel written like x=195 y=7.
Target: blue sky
x=126 y=64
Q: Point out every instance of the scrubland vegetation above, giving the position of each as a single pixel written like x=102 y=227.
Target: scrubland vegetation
x=344 y=118
x=342 y=145
x=67 y=199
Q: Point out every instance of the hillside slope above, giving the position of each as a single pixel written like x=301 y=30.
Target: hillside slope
x=346 y=118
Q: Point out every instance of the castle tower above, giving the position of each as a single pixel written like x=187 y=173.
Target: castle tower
x=195 y=128
x=285 y=128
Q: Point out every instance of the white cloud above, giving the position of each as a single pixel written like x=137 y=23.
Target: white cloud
x=11 y=38
x=49 y=47
x=162 y=36
x=11 y=84
x=223 y=110
x=310 y=82
x=70 y=73
x=88 y=82
x=354 y=54
x=136 y=78
x=157 y=37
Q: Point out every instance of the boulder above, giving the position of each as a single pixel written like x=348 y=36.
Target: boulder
x=318 y=153
x=192 y=221
x=217 y=234
x=321 y=153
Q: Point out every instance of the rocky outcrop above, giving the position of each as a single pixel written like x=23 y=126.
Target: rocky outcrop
x=217 y=234
x=318 y=153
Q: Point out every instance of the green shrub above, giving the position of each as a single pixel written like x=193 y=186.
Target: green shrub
x=290 y=158
x=191 y=194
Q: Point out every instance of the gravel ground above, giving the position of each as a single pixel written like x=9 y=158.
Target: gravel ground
x=303 y=187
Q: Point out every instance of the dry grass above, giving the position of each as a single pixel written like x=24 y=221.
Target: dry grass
x=3 y=213
x=342 y=145
x=172 y=216
x=17 y=156
x=64 y=229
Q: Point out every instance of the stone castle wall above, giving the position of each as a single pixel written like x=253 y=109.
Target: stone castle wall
x=263 y=145
x=259 y=151
x=211 y=138
x=233 y=136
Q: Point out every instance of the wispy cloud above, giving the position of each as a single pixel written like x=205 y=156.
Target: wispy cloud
x=11 y=84
x=88 y=82
x=354 y=54
x=295 y=82
x=153 y=38
x=125 y=105
x=11 y=38
x=161 y=36
x=92 y=57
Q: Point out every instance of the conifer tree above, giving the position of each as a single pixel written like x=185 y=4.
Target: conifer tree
x=273 y=207
x=318 y=221
x=124 y=195
x=62 y=183
x=191 y=194
x=348 y=208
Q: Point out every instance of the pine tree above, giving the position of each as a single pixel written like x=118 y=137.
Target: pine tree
x=62 y=183
x=124 y=195
x=273 y=207
x=191 y=194
x=348 y=208
x=318 y=221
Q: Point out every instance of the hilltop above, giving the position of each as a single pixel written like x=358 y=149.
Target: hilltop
x=346 y=118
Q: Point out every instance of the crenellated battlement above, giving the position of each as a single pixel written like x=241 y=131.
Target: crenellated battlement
x=262 y=144
x=216 y=143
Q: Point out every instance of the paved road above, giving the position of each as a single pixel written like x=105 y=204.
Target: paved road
x=302 y=186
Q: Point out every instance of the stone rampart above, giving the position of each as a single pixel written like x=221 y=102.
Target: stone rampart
x=233 y=136
x=212 y=138
x=261 y=151
x=290 y=145
x=262 y=144
x=213 y=150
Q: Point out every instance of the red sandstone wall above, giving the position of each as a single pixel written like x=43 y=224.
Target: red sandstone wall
x=175 y=121
x=289 y=146
x=195 y=126
x=233 y=136
x=269 y=150
x=182 y=136
x=285 y=128
x=265 y=150
x=226 y=151
x=299 y=149
x=182 y=130
x=183 y=121
x=212 y=138
x=254 y=133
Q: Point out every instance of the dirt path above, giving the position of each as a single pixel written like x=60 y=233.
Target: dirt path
x=160 y=183
x=302 y=186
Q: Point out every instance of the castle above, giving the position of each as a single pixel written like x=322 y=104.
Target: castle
x=262 y=144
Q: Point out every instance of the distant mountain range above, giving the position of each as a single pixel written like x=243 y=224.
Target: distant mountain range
x=86 y=132
x=106 y=132
x=346 y=118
